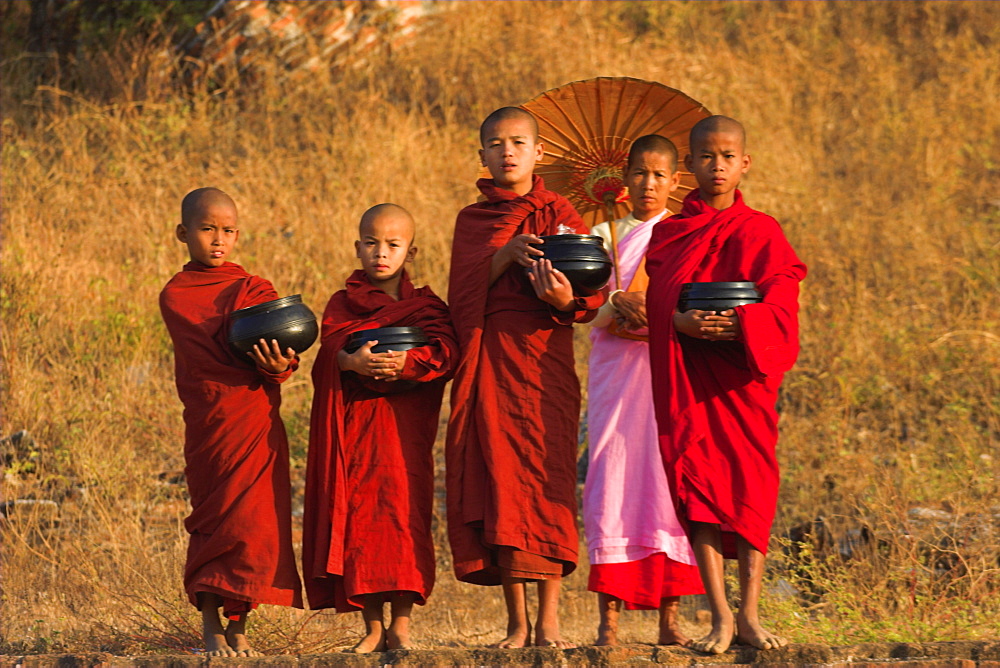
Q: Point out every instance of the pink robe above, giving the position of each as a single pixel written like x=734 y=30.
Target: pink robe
x=628 y=512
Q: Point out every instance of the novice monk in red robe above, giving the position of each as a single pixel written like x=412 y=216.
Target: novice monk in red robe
x=511 y=449
x=235 y=448
x=716 y=375
x=370 y=476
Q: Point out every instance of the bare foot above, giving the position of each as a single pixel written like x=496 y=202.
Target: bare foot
x=607 y=630
x=214 y=635
x=753 y=634
x=514 y=640
x=397 y=638
x=237 y=639
x=550 y=637
x=607 y=635
x=373 y=642
x=673 y=636
x=718 y=639
x=558 y=643
x=216 y=645
x=670 y=630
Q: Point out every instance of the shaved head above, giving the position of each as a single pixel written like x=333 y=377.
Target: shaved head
x=653 y=144
x=196 y=202
x=714 y=124
x=387 y=210
x=504 y=114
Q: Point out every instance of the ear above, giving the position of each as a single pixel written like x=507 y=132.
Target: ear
x=746 y=163
x=689 y=162
x=539 y=150
x=181 y=233
x=411 y=253
x=482 y=157
x=675 y=182
x=357 y=249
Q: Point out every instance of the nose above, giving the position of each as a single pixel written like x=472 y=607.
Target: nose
x=217 y=238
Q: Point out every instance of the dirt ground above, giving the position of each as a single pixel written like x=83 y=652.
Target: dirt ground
x=922 y=655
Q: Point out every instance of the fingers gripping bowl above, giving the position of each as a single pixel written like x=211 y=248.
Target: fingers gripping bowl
x=717 y=296
x=581 y=258
x=286 y=319
x=389 y=338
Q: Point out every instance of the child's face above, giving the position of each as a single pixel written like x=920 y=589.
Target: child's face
x=650 y=179
x=386 y=245
x=718 y=162
x=212 y=235
x=510 y=153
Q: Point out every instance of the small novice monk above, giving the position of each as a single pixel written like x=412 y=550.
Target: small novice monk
x=716 y=375
x=639 y=553
x=370 y=473
x=235 y=448
x=515 y=403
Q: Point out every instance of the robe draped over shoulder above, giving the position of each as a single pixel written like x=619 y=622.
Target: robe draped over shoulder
x=638 y=550
x=370 y=473
x=235 y=447
x=515 y=401
x=715 y=401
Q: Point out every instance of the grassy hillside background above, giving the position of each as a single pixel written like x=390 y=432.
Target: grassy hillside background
x=874 y=129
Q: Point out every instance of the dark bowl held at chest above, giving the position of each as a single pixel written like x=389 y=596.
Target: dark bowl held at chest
x=286 y=319
x=581 y=258
x=389 y=338
x=717 y=296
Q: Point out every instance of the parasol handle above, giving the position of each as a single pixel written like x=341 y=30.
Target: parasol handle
x=609 y=206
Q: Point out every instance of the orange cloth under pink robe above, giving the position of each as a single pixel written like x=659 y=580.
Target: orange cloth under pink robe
x=370 y=475
x=235 y=448
x=515 y=402
x=715 y=400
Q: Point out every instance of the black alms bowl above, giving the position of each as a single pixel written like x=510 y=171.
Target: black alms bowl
x=717 y=296
x=286 y=319
x=389 y=338
x=581 y=258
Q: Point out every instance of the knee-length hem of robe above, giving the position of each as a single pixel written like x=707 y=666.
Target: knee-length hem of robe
x=235 y=448
x=370 y=473
x=515 y=401
x=637 y=547
x=715 y=401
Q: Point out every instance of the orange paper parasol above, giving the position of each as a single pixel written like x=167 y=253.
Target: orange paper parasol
x=587 y=128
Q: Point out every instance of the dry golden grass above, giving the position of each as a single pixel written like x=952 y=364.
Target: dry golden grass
x=874 y=129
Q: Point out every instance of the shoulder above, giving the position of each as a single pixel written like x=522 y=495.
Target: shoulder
x=756 y=223
x=471 y=211
x=258 y=281
x=427 y=294
x=603 y=230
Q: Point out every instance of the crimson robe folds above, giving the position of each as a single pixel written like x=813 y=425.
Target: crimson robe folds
x=370 y=475
x=515 y=402
x=715 y=400
x=235 y=447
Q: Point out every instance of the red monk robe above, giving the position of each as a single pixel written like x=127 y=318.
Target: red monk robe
x=235 y=448
x=370 y=476
x=715 y=400
x=515 y=402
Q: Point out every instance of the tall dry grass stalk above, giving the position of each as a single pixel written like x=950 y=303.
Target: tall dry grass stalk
x=874 y=130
